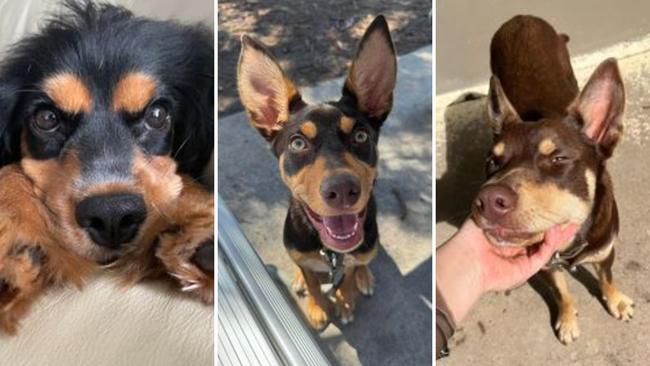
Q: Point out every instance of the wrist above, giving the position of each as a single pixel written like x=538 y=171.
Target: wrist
x=458 y=273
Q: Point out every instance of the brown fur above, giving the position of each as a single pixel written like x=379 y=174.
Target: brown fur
x=68 y=92
x=133 y=92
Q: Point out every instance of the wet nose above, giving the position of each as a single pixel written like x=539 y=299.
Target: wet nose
x=341 y=191
x=111 y=219
x=495 y=201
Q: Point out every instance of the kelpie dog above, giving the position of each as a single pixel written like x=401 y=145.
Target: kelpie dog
x=327 y=157
x=547 y=165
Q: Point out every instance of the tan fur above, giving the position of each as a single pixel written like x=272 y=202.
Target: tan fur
x=133 y=92
x=305 y=185
x=546 y=146
x=566 y=324
x=346 y=124
x=309 y=129
x=499 y=149
x=68 y=92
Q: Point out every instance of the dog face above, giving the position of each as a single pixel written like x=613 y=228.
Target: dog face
x=327 y=152
x=99 y=107
x=545 y=173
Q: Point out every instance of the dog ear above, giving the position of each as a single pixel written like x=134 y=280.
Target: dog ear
x=600 y=106
x=266 y=92
x=9 y=132
x=500 y=111
x=372 y=76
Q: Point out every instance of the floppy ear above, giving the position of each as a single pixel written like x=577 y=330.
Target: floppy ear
x=9 y=131
x=266 y=92
x=600 y=106
x=371 y=78
x=500 y=111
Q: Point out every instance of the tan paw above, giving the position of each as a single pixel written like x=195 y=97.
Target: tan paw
x=316 y=315
x=345 y=311
x=620 y=306
x=567 y=326
x=365 y=280
x=298 y=283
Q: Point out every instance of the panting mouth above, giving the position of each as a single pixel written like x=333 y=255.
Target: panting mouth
x=341 y=233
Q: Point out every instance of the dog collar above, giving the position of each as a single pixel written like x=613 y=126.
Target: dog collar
x=565 y=258
x=336 y=271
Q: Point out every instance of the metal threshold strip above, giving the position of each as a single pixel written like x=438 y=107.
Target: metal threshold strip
x=290 y=338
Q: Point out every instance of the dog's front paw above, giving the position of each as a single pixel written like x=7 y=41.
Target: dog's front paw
x=567 y=326
x=21 y=279
x=316 y=314
x=191 y=261
x=619 y=305
x=365 y=280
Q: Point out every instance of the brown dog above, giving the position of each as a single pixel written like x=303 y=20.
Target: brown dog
x=547 y=165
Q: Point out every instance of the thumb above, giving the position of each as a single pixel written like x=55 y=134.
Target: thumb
x=554 y=239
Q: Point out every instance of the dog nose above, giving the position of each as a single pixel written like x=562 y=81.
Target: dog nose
x=111 y=219
x=341 y=191
x=495 y=201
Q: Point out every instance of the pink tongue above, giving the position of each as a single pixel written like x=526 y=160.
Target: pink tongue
x=340 y=225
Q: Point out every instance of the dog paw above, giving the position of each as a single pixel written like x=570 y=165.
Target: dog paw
x=345 y=312
x=21 y=277
x=567 y=327
x=620 y=306
x=316 y=315
x=190 y=260
x=298 y=284
x=365 y=280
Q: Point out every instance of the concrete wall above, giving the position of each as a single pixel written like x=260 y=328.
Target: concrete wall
x=464 y=29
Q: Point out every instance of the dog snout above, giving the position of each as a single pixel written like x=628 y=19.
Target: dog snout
x=494 y=201
x=111 y=219
x=341 y=191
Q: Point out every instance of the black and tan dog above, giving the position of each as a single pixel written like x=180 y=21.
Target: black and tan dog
x=547 y=165
x=105 y=121
x=327 y=157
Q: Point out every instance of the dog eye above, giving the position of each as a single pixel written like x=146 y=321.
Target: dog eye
x=360 y=136
x=297 y=144
x=157 y=117
x=492 y=164
x=46 y=120
x=559 y=159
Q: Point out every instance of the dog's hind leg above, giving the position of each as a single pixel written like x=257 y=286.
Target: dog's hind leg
x=566 y=324
x=619 y=305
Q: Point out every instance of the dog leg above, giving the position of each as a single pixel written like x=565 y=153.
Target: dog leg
x=298 y=283
x=566 y=324
x=317 y=303
x=346 y=296
x=30 y=259
x=365 y=280
x=187 y=251
x=619 y=305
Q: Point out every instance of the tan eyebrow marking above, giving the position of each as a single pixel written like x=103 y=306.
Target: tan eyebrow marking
x=68 y=92
x=309 y=129
x=499 y=149
x=346 y=124
x=546 y=147
x=133 y=92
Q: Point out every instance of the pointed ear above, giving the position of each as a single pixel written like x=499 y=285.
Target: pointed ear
x=600 y=106
x=371 y=79
x=500 y=111
x=265 y=91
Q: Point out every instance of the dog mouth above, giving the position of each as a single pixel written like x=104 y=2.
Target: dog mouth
x=504 y=237
x=341 y=233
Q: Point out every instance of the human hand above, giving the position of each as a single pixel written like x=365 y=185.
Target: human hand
x=506 y=268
